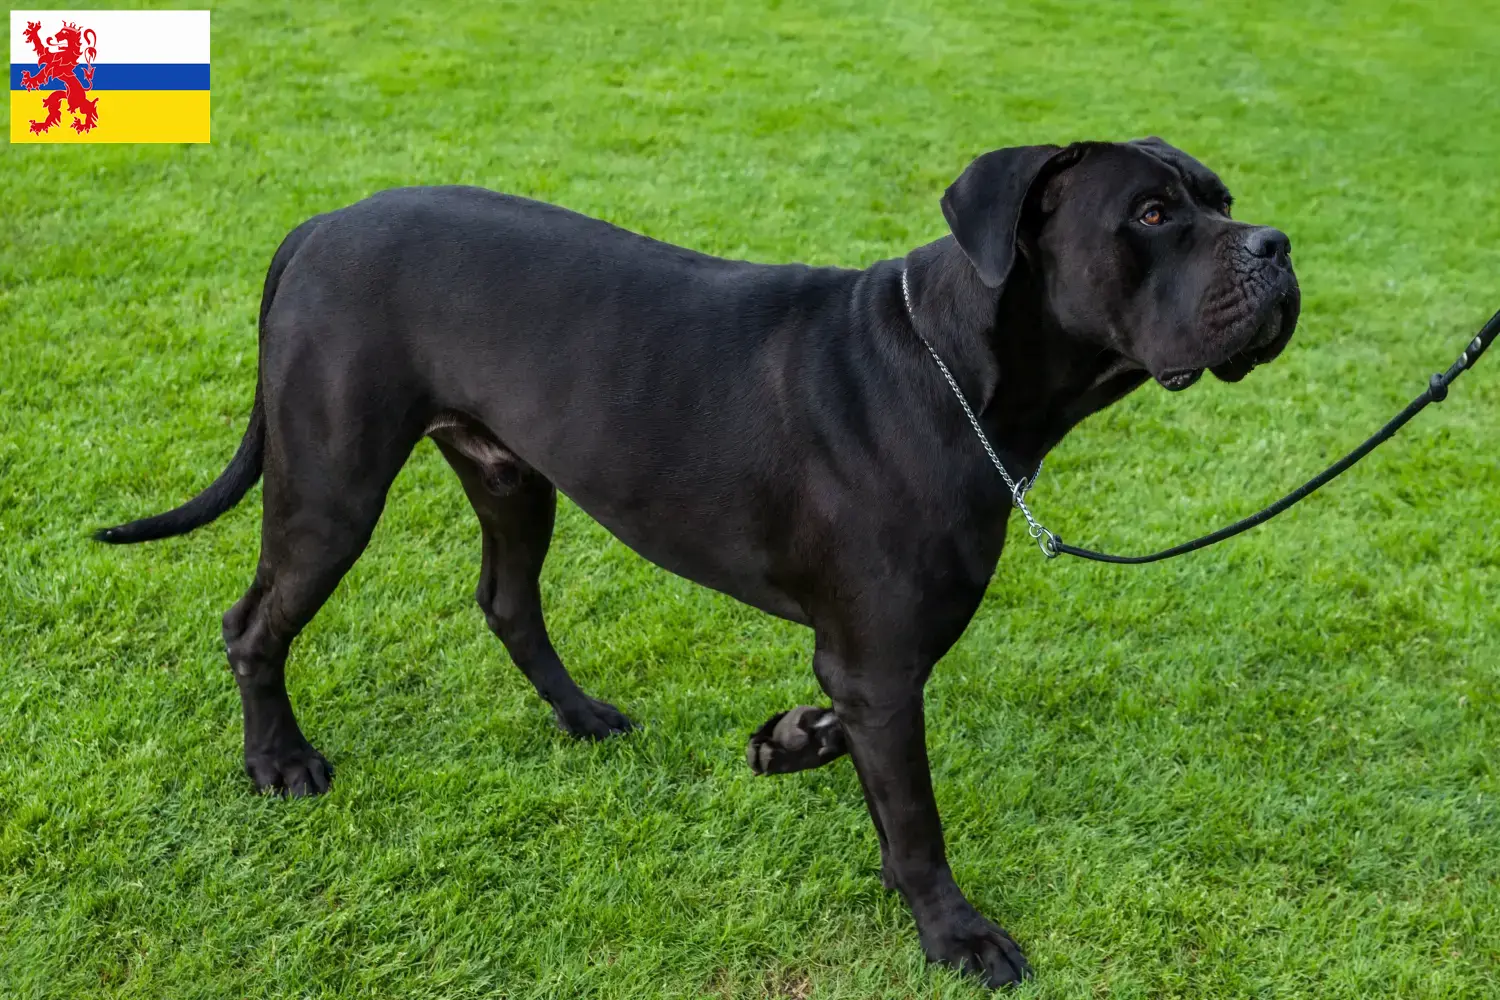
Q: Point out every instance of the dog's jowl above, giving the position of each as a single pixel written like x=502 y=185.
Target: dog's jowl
x=778 y=433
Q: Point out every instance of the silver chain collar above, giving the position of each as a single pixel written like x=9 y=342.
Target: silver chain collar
x=1044 y=538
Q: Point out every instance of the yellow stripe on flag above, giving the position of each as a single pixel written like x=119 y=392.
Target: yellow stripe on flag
x=124 y=116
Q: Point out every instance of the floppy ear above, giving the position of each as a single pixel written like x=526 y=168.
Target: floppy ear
x=983 y=207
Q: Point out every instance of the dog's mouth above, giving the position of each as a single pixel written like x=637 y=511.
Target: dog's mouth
x=1259 y=337
x=1179 y=379
x=1269 y=339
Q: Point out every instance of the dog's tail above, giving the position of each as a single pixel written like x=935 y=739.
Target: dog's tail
x=245 y=467
x=226 y=491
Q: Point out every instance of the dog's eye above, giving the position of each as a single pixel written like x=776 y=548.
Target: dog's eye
x=1153 y=216
x=1228 y=204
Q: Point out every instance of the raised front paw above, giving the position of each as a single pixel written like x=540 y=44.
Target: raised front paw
x=804 y=738
x=29 y=81
x=968 y=942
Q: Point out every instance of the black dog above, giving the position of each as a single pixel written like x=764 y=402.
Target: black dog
x=778 y=433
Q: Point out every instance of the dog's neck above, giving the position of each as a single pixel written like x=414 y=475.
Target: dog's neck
x=1027 y=378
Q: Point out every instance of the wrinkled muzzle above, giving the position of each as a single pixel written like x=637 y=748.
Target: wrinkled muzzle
x=1253 y=314
x=1274 y=333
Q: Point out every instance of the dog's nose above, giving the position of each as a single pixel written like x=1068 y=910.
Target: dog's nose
x=1267 y=242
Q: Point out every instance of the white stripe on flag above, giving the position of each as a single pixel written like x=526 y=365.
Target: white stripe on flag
x=124 y=36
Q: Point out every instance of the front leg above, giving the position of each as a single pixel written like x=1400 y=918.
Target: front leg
x=880 y=708
x=804 y=738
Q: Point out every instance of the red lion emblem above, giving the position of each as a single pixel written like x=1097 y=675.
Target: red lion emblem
x=55 y=59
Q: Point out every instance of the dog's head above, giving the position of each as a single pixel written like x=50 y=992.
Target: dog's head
x=1134 y=249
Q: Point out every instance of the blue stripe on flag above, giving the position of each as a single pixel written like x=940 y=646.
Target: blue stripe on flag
x=127 y=76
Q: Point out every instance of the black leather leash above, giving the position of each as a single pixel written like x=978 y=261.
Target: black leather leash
x=1436 y=392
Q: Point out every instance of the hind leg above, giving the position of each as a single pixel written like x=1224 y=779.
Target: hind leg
x=516 y=509
x=79 y=104
x=53 y=104
x=277 y=756
x=322 y=501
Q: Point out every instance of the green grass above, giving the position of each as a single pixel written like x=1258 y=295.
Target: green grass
x=1267 y=770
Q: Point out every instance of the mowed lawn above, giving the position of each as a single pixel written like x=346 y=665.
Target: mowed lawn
x=1266 y=770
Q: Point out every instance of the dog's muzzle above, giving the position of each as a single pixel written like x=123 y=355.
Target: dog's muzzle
x=1265 y=302
x=1270 y=336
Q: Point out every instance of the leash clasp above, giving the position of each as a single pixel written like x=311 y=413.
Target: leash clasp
x=1047 y=542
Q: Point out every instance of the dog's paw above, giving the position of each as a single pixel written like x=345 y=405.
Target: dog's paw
x=293 y=773
x=804 y=738
x=591 y=719
x=970 y=943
